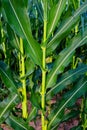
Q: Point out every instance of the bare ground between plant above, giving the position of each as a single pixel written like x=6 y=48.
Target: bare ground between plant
x=37 y=124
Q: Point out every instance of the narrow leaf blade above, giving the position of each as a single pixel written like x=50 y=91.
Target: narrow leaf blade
x=64 y=58
x=74 y=93
x=7 y=77
x=18 y=123
x=55 y=14
x=20 y=23
x=7 y=105
x=32 y=114
x=66 y=26
x=66 y=79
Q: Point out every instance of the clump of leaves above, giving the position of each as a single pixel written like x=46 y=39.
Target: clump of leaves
x=44 y=41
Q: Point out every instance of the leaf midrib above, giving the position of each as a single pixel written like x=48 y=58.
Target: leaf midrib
x=8 y=105
x=65 y=80
x=64 y=60
x=21 y=26
x=66 y=103
x=17 y=123
x=55 y=17
x=8 y=77
x=65 y=26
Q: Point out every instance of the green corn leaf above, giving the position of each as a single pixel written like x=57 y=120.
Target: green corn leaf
x=68 y=100
x=79 y=127
x=51 y=48
x=64 y=58
x=66 y=26
x=6 y=75
x=66 y=79
x=30 y=66
x=32 y=114
x=39 y=9
x=44 y=6
x=26 y=3
x=7 y=105
x=35 y=99
x=54 y=16
x=13 y=38
x=18 y=17
x=18 y=123
x=71 y=114
x=20 y=23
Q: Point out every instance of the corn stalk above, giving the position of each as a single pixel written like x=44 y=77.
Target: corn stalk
x=22 y=74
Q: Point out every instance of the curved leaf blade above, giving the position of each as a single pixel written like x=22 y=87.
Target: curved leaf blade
x=7 y=77
x=66 y=79
x=18 y=123
x=53 y=46
x=19 y=21
x=7 y=105
x=13 y=38
x=39 y=9
x=32 y=114
x=64 y=58
x=55 y=14
x=76 y=92
x=67 y=25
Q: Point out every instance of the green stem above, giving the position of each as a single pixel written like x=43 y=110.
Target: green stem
x=43 y=79
x=84 y=128
x=43 y=121
x=22 y=74
x=43 y=89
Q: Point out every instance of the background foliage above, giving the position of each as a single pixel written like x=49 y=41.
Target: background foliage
x=43 y=55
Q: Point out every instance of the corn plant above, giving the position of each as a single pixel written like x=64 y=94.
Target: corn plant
x=41 y=35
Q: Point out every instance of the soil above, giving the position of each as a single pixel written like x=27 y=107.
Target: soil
x=37 y=125
x=63 y=126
